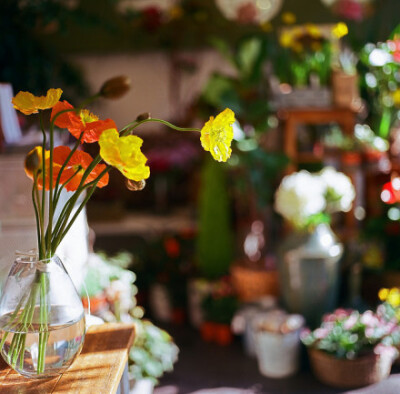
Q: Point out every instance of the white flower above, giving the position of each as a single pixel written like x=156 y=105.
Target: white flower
x=379 y=57
x=299 y=196
x=340 y=191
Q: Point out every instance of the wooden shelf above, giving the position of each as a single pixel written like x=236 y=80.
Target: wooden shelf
x=98 y=369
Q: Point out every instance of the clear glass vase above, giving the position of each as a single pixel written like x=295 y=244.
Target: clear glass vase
x=42 y=320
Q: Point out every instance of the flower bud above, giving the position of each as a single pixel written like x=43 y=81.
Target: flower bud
x=116 y=87
x=135 y=186
x=143 y=116
x=33 y=161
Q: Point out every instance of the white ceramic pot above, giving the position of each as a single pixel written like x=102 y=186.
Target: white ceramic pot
x=278 y=354
x=142 y=386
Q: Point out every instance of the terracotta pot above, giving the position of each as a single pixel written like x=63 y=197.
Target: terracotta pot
x=343 y=373
x=207 y=331
x=223 y=334
x=252 y=284
x=345 y=91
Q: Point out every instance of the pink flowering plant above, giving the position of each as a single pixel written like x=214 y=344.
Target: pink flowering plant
x=350 y=334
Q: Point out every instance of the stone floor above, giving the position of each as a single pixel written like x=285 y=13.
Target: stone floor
x=205 y=368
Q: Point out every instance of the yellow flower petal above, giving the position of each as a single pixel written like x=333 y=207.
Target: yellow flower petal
x=28 y=104
x=340 y=30
x=217 y=134
x=25 y=102
x=124 y=154
x=383 y=294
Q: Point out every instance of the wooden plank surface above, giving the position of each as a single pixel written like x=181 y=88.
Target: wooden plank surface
x=98 y=369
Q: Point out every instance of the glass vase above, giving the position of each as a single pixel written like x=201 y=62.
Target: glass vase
x=42 y=320
x=308 y=266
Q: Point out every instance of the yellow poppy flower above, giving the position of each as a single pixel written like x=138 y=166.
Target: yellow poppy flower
x=340 y=30
x=217 y=134
x=124 y=154
x=29 y=104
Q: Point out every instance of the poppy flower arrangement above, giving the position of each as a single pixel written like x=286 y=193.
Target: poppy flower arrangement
x=54 y=168
x=76 y=171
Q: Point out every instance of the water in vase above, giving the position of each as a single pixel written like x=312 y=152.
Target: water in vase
x=63 y=336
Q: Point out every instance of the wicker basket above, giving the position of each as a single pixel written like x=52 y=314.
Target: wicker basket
x=342 y=373
x=252 y=284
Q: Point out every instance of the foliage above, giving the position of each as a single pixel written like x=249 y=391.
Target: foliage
x=221 y=304
x=349 y=334
x=382 y=82
x=215 y=237
x=246 y=92
x=25 y=61
x=153 y=352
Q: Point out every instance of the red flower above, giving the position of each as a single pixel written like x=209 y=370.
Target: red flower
x=75 y=168
x=84 y=121
x=172 y=247
x=391 y=192
x=394 y=47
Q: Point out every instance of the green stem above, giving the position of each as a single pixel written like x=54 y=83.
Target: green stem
x=73 y=150
x=36 y=209
x=42 y=249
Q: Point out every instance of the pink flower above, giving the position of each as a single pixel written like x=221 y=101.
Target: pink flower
x=321 y=333
x=351 y=321
x=385 y=350
x=350 y=9
x=369 y=319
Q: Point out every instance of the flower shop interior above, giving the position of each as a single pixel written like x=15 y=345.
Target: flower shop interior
x=251 y=245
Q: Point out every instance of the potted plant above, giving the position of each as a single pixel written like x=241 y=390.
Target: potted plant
x=277 y=342
x=351 y=349
x=345 y=90
x=218 y=309
x=152 y=353
x=307 y=201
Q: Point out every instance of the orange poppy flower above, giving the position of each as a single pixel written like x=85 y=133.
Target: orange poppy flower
x=77 y=165
x=84 y=121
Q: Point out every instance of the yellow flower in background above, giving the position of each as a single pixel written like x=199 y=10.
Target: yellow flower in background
x=340 y=30
x=286 y=39
x=28 y=104
x=176 y=12
x=396 y=97
x=393 y=298
x=266 y=27
x=217 y=134
x=124 y=154
x=383 y=294
x=288 y=18
x=313 y=30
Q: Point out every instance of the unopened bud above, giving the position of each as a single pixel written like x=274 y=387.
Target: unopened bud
x=143 y=116
x=33 y=161
x=135 y=186
x=115 y=87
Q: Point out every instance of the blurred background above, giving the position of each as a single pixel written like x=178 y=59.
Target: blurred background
x=302 y=219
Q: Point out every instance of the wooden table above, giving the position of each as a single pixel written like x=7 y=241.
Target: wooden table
x=97 y=370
